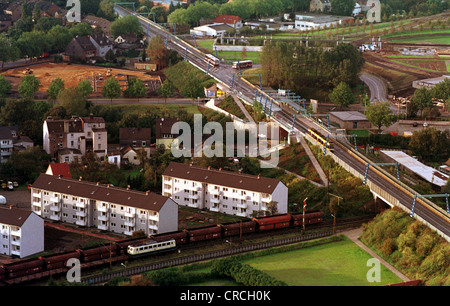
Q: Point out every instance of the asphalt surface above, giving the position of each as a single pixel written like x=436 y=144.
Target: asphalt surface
x=377 y=87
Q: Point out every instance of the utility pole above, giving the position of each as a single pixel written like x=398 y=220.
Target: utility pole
x=335 y=212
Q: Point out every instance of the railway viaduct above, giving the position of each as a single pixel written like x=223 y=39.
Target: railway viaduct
x=383 y=185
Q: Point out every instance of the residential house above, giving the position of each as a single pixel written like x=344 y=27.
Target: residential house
x=323 y=6
x=7 y=136
x=78 y=134
x=69 y=155
x=129 y=38
x=21 y=232
x=99 y=23
x=14 y=9
x=5 y=21
x=129 y=155
x=114 y=157
x=135 y=137
x=58 y=169
x=81 y=48
x=224 y=191
x=102 y=44
x=233 y=21
x=104 y=207
x=163 y=132
x=306 y=22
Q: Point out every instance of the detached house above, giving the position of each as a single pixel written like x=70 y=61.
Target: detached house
x=81 y=48
x=102 y=44
x=234 y=21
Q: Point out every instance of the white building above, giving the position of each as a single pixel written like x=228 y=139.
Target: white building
x=214 y=30
x=306 y=22
x=104 y=207
x=21 y=232
x=224 y=191
x=102 y=44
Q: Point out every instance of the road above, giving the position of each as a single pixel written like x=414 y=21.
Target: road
x=376 y=86
x=144 y=101
x=343 y=151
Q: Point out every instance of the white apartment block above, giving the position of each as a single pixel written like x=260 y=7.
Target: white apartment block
x=21 y=232
x=102 y=206
x=224 y=191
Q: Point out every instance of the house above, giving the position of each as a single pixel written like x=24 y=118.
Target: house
x=323 y=6
x=81 y=48
x=135 y=137
x=102 y=44
x=213 y=30
x=21 y=232
x=163 y=132
x=130 y=38
x=104 y=207
x=58 y=169
x=7 y=135
x=224 y=191
x=14 y=10
x=114 y=157
x=22 y=143
x=69 y=155
x=99 y=23
x=5 y=21
x=129 y=155
x=78 y=134
x=50 y=9
x=350 y=120
x=233 y=21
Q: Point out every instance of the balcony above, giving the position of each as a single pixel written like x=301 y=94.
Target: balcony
x=130 y=214
x=81 y=213
x=55 y=208
x=153 y=226
x=36 y=204
x=103 y=218
x=193 y=205
x=215 y=200
x=36 y=194
x=102 y=208
x=214 y=208
x=54 y=199
x=15 y=241
x=266 y=199
x=193 y=196
x=80 y=204
x=241 y=205
x=81 y=222
x=215 y=192
x=241 y=214
x=153 y=217
x=55 y=218
x=129 y=223
x=102 y=227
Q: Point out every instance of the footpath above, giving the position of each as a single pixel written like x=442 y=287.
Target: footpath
x=354 y=234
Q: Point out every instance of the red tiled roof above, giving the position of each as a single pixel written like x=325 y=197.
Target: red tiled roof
x=60 y=169
x=228 y=19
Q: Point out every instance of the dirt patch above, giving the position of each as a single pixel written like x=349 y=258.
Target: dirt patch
x=73 y=74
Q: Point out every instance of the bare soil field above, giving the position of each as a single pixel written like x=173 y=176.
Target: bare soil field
x=73 y=74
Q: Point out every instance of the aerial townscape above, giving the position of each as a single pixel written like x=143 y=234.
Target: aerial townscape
x=215 y=147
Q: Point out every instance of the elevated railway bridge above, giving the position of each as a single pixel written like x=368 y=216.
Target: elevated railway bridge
x=382 y=184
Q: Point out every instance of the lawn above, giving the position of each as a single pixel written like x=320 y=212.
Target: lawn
x=340 y=263
x=438 y=39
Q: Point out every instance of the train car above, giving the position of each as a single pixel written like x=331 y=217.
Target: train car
x=59 y=260
x=273 y=222
x=180 y=237
x=205 y=233
x=310 y=218
x=149 y=247
x=23 y=268
x=321 y=139
x=243 y=64
x=98 y=253
x=212 y=60
x=235 y=229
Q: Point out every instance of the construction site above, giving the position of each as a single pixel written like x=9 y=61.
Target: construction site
x=73 y=74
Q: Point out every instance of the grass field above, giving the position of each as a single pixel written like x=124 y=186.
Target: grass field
x=444 y=39
x=340 y=263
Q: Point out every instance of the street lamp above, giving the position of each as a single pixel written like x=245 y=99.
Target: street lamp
x=231 y=247
x=335 y=211
x=122 y=264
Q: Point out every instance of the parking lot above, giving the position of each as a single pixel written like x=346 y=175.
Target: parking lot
x=18 y=198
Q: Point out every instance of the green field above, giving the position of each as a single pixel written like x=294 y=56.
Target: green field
x=340 y=263
x=444 y=39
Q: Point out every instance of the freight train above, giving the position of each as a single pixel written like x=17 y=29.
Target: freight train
x=128 y=249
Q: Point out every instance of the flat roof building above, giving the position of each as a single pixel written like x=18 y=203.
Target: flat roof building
x=350 y=120
x=224 y=191
x=102 y=206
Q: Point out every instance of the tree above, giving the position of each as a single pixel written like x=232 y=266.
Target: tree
x=106 y=10
x=111 y=89
x=380 y=114
x=166 y=90
x=126 y=25
x=157 y=52
x=342 y=7
x=442 y=91
x=55 y=87
x=422 y=98
x=5 y=86
x=73 y=101
x=136 y=89
x=30 y=84
x=33 y=44
x=58 y=37
x=431 y=144
x=8 y=50
x=342 y=95
x=85 y=88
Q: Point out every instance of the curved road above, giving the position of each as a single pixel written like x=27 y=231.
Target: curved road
x=378 y=91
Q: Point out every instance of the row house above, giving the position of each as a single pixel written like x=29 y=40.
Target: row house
x=21 y=232
x=83 y=134
x=104 y=207
x=224 y=191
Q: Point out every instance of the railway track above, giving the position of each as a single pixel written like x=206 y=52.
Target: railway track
x=424 y=209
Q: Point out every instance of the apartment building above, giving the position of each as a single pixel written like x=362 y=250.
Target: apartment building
x=102 y=206
x=87 y=134
x=21 y=232
x=224 y=191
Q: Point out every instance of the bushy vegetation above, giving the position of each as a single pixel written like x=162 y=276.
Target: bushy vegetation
x=410 y=246
x=243 y=273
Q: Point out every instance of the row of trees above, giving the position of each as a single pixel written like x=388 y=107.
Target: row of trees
x=289 y=65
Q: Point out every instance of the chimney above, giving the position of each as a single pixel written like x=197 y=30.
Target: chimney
x=128 y=187
x=98 y=183
x=59 y=176
x=11 y=206
x=209 y=167
x=107 y=185
x=220 y=169
x=259 y=175
x=147 y=192
x=80 y=178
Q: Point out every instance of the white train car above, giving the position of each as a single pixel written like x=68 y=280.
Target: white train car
x=150 y=247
